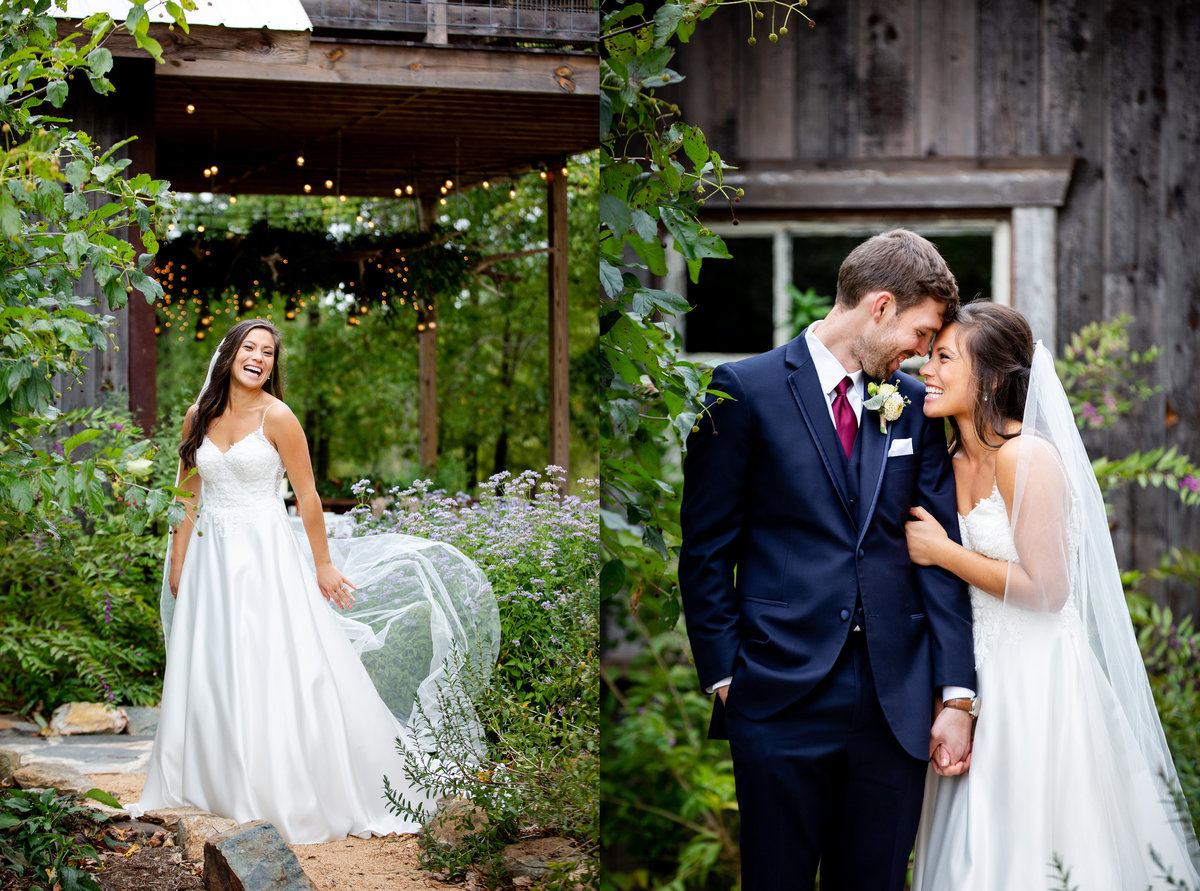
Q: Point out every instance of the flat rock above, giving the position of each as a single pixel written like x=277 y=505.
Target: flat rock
x=143 y=721
x=455 y=820
x=16 y=724
x=41 y=775
x=532 y=857
x=170 y=816
x=87 y=717
x=10 y=761
x=193 y=830
x=252 y=857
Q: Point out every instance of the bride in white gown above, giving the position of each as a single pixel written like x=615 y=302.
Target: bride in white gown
x=274 y=702
x=1069 y=772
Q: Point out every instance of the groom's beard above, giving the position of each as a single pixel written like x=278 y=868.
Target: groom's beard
x=879 y=358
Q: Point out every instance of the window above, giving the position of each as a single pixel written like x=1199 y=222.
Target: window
x=743 y=306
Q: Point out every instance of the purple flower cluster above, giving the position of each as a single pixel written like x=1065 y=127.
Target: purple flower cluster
x=1191 y=483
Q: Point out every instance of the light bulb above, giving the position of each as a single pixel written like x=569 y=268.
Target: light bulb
x=191 y=109
x=512 y=193
x=233 y=199
x=299 y=160
x=399 y=191
x=408 y=190
x=486 y=184
x=307 y=187
x=329 y=184
x=214 y=169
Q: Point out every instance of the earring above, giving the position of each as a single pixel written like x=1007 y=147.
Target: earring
x=985 y=399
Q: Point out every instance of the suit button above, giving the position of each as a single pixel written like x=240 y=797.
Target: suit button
x=861 y=553
x=844 y=615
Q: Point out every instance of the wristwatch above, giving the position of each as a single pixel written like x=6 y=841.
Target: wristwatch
x=965 y=705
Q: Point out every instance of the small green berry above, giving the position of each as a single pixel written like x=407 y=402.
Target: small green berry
x=666 y=78
x=695 y=428
x=773 y=37
x=751 y=41
x=783 y=32
x=740 y=192
x=758 y=14
x=701 y=202
x=720 y=399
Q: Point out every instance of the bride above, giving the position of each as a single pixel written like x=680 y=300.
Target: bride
x=277 y=706
x=1070 y=774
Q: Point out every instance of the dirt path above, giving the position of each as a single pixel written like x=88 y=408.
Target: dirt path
x=353 y=864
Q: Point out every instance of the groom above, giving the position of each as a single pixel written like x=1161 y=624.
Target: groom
x=824 y=644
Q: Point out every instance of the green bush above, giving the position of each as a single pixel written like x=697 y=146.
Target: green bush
x=79 y=614
x=44 y=837
x=540 y=709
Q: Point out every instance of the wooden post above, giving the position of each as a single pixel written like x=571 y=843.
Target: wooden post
x=427 y=361
x=128 y=363
x=560 y=406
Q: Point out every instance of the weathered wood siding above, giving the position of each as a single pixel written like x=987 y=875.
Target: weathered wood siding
x=1113 y=84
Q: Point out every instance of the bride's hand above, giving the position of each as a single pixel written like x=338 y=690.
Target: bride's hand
x=925 y=535
x=335 y=587
x=173 y=579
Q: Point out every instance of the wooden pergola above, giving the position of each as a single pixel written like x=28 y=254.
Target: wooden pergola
x=358 y=99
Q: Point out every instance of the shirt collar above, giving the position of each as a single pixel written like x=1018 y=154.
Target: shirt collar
x=829 y=370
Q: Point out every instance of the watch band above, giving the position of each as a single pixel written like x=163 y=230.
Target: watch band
x=966 y=705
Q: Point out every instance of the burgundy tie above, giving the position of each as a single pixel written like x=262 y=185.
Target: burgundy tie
x=843 y=416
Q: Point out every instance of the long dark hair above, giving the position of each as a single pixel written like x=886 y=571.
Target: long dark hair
x=1000 y=345
x=216 y=394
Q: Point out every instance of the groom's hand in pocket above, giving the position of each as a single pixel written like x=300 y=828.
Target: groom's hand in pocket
x=723 y=692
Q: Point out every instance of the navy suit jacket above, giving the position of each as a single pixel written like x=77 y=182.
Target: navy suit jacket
x=776 y=553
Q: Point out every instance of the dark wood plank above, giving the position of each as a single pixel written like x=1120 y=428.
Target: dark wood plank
x=1133 y=229
x=1009 y=61
x=887 y=73
x=1074 y=114
x=1180 y=152
x=826 y=119
x=212 y=43
x=710 y=95
x=947 y=102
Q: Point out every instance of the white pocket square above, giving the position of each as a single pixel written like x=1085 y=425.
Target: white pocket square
x=900 y=447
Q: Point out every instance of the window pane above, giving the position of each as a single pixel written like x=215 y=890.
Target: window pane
x=733 y=301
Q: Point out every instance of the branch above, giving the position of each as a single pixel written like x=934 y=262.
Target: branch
x=484 y=262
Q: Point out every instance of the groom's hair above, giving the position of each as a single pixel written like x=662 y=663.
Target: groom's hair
x=903 y=263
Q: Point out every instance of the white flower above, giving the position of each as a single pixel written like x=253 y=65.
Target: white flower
x=139 y=466
x=892 y=406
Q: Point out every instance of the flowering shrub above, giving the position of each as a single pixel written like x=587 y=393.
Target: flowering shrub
x=79 y=613
x=540 y=710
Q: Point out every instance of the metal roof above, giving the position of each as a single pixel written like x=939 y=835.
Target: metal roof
x=275 y=15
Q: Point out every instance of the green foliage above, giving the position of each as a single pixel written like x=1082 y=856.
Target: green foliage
x=79 y=614
x=1102 y=374
x=684 y=835
x=43 y=838
x=539 y=709
x=807 y=307
x=64 y=208
x=1171 y=649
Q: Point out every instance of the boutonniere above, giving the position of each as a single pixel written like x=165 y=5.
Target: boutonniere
x=886 y=399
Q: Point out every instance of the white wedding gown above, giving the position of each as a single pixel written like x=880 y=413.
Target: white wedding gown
x=1050 y=772
x=268 y=712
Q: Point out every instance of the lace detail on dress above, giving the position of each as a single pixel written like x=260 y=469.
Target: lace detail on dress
x=240 y=485
x=985 y=530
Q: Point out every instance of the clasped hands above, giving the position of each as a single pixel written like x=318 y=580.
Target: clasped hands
x=950 y=740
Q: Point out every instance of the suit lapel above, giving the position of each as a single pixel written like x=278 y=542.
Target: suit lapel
x=874 y=456
x=806 y=389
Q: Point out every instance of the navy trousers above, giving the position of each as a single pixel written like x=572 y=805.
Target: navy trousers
x=825 y=782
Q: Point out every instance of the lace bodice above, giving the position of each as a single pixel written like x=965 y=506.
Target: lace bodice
x=985 y=530
x=240 y=485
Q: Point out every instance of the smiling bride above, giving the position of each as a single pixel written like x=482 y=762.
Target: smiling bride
x=294 y=682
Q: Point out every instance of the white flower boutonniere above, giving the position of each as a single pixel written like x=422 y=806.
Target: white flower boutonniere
x=886 y=399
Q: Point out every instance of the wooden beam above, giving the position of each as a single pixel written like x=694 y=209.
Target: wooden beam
x=576 y=23
x=211 y=43
x=879 y=184
x=421 y=66
x=560 y=405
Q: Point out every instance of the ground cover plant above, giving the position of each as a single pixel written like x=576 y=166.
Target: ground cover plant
x=540 y=709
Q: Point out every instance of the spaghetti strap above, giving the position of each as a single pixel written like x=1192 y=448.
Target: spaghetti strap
x=264 y=417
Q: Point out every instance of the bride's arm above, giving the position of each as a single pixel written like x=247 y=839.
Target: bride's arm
x=284 y=430
x=189 y=481
x=1039 y=580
